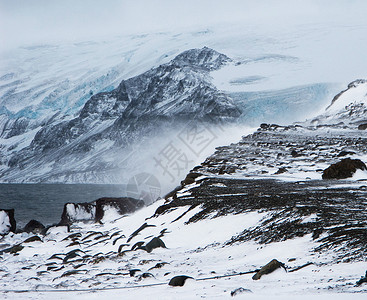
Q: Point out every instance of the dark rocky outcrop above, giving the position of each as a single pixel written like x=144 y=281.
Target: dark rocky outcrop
x=179 y=280
x=343 y=169
x=8 y=221
x=34 y=226
x=77 y=212
x=123 y=205
x=268 y=268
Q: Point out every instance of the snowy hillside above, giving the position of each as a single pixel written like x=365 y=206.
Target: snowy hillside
x=348 y=108
x=231 y=216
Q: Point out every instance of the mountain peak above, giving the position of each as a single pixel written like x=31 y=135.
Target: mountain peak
x=205 y=58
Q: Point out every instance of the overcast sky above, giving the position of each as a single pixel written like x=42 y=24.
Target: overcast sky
x=43 y=21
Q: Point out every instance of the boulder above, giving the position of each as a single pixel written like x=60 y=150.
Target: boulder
x=155 y=242
x=7 y=221
x=179 y=280
x=123 y=205
x=34 y=226
x=268 y=268
x=75 y=212
x=362 y=126
x=343 y=169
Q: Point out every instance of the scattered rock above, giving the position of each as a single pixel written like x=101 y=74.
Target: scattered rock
x=34 y=226
x=137 y=245
x=34 y=238
x=362 y=280
x=133 y=272
x=240 y=290
x=154 y=243
x=7 y=221
x=179 y=280
x=362 y=126
x=294 y=153
x=13 y=250
x=345 y=153
x=136 y=232
x=343 y=169
x=268 y=268
x=281 y=171
x=145 y=275
x=190 y=178
x=158 y=266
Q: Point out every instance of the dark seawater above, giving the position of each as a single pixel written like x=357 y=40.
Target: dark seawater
x=45 y=202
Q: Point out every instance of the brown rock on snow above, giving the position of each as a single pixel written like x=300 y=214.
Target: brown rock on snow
x=343 y=169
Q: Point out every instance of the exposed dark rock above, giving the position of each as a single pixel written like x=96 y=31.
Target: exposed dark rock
x=345 y=153
x=362 y=126
x=343 y=169
x=34 y=226
x=34 y=238
x=77 y=212
x=145 y=275
x=240 y=290
x=294 y=153
x=179 y=280
x=123 y=205
x=10 y=224
x=154 y=243
x=281 y=171
x=268 y=268
x=137 y=245
x=133 y=272
x=362 y=280
x=190 y=178
x=13 y=250
x=158 y=265
x=136 y=232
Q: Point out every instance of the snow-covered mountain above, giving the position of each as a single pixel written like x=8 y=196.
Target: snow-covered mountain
x=348 y=108
x=61 y=99
x=167 y=96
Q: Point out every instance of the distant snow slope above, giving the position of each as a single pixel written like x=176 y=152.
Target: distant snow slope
x=349 y=107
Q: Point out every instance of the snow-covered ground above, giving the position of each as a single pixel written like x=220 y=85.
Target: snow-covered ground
x=196 y=250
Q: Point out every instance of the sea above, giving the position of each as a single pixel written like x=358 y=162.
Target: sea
x=45 y=202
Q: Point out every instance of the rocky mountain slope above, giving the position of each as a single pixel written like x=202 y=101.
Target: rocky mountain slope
x=91 y=145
